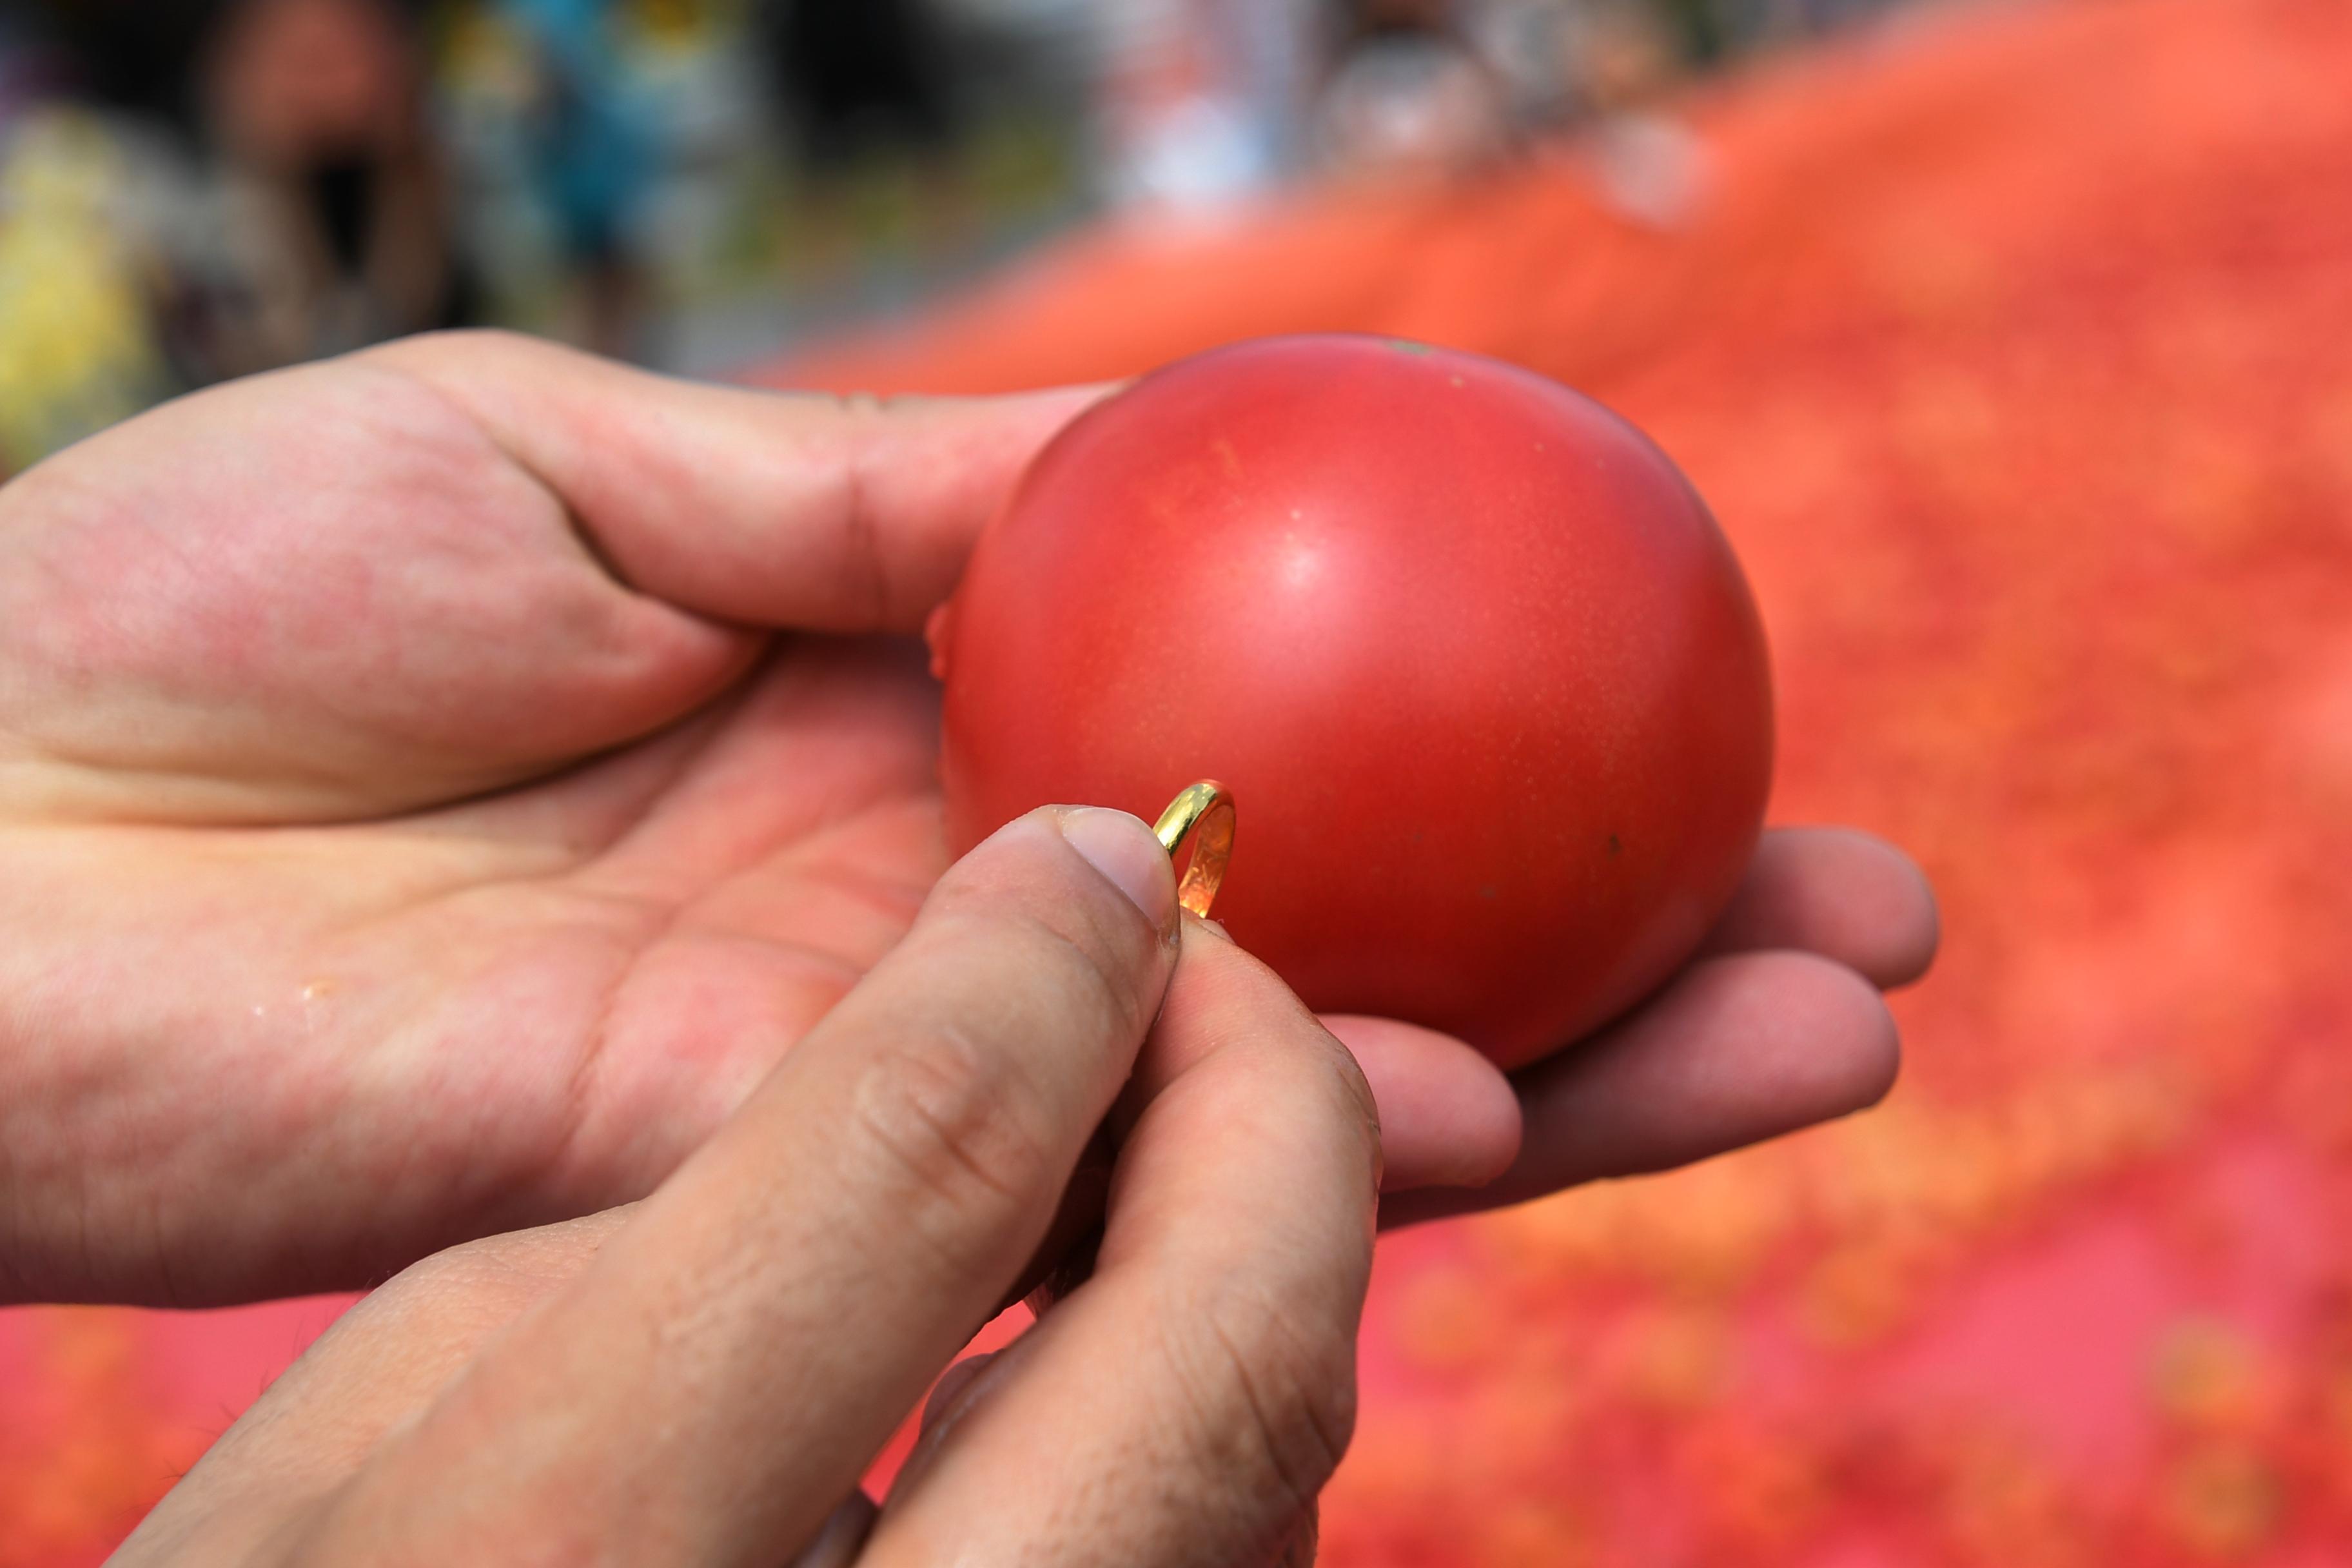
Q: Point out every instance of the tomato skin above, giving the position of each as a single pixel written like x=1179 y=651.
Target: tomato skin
x=1484 y=678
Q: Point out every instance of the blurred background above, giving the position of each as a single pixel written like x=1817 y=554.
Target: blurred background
x=2011 y=343
x=194 y=189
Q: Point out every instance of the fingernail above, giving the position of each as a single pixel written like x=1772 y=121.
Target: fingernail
x=1124 y=850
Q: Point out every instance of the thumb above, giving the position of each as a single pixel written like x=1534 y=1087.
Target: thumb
x=756 y=507
x=825 y=1254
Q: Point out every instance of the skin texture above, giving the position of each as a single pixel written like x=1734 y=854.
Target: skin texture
x=438 y=786
x=671 y=1384
x=1481 y=670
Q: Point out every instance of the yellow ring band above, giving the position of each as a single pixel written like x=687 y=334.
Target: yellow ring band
x=1204 y=813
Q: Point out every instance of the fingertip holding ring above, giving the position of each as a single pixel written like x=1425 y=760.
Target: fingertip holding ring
x=1203 y=813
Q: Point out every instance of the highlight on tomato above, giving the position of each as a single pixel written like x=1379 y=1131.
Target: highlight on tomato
x=1483 y=674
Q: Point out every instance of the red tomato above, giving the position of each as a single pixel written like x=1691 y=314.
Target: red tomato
x=1484 y=678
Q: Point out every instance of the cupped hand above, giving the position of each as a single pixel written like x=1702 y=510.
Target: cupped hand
x=702 y=1379
x=436 y=785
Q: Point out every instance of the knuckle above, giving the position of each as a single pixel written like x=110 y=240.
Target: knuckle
x=950 y=1121
x=472 y=1279
x=515 y=1265
x=1315 y=1071
x=970 y=1114
x=469 y=1263
x=1306 y=1058
x=1275 y=1401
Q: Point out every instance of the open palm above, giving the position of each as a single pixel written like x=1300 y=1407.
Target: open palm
x=435 y=786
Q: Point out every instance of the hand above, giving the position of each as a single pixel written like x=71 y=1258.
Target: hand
x=436 y=785
x=703 y=1380
x=412 y=827
x=1775 y=1025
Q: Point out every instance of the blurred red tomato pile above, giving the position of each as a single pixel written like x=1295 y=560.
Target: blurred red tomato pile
x=2013 y=349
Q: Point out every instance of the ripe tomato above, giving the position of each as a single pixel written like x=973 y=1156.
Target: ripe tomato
x=1484 y=678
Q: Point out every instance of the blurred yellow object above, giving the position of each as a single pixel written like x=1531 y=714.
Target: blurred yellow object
x=77 y=349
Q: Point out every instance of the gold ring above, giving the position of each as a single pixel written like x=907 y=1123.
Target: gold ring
x=1204 y=813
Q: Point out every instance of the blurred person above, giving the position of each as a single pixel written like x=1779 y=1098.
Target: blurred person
x=79 y=345
x=1646 y=158
x=861 y=76
x=1436 y=87
x=1201 y=102
x=1530 y=47
x=867 y=88
x=590 y=149
x=1621 y=57
x=334 y=225
x=85 y=198
x=1410 y=95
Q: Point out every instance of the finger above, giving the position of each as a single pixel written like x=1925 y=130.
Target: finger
x=1449 y=1116
x=421 y=573
x=719 y=1376
x=1448 y=1119
x=1841 y=893
x=1739 y=1049
x=1189 y=1400
x=377 y=1366
x=760 y=508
